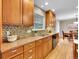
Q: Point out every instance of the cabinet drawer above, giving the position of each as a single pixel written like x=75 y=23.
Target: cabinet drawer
x=30 y=57
x=30 y=54
x=29 y=46
x=18 y=57
x=45 y=39
x=38 y=42
x=13 y=52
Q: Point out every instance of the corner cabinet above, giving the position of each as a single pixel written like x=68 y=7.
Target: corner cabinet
x=50 y=18
x=12 y=12
x=28 y=12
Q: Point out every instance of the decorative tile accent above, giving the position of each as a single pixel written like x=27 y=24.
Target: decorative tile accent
x=16 y=30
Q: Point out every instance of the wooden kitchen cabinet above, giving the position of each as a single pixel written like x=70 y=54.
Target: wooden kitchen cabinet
x=50 y=18
x=47 y=45
x=28 y=12
x=18 y=57
x=29 y=46
x=45 y=49
x=29 y=51
x=13 y=53
x=50 y=44
x=29 y=54
x=0 y=23
x=0 y=36
x=18 y=12
x=39 y=52
x=0 y=13
x=39 y=49
x=12 y=12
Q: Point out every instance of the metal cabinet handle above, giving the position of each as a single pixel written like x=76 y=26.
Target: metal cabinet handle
x=30 y=57
x=30 y=51
x=14 y=51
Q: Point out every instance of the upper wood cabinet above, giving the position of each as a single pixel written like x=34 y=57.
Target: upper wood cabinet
x=50 y=18
x=12 y=12
x=28 y=12
x=18 y=12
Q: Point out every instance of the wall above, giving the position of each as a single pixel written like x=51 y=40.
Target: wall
x=37 y=10
x=64 y=25
x=57 y=26
x=17 y=30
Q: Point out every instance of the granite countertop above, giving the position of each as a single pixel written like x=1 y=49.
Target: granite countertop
x=6 y=46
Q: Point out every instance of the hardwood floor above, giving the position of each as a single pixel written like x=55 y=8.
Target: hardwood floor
x=63 y=50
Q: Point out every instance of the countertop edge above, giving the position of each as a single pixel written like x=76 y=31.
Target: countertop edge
x=3 y=48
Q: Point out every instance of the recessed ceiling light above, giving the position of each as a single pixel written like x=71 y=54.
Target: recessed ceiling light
x=53 y=9
x=76 y=22
x=77 y=7
x=42 y=6
x=46 y=3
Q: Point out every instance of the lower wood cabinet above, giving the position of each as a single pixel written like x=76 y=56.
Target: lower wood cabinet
x=45 y=49
x=39 y=52
x=38 y=49
x=29 y=50
x=47 y=45
x=12 y=53
x=18 y=57
x=29 y=54
x=50 y=44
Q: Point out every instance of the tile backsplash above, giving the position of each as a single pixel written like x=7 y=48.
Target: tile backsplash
x=21 y=31
x=17 y=30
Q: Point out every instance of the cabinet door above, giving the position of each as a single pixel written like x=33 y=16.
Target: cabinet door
x=39 y=52
x=29 y=54
x=47 y=17
x=12 y=12
x=28 y=11
x=50 y=44
x=50 y=18
x=18 y=57
x=45 y=49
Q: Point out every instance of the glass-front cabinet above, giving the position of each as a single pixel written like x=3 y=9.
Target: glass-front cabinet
x=39 y=22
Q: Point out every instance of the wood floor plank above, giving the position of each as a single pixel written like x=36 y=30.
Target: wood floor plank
x=62 y=51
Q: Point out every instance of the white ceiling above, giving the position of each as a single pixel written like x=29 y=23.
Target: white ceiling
x=63 y=8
